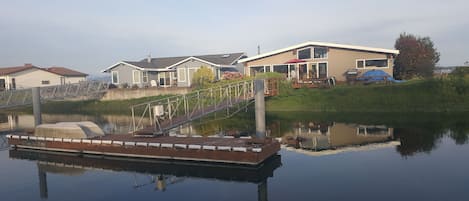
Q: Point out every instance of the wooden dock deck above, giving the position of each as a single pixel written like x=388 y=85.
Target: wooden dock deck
x=208 y=149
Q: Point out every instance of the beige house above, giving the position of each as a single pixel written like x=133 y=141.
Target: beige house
x=317 y=60
x=27 y=76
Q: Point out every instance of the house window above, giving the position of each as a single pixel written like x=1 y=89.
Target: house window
x=376 y=63
x=322 y=69
x=136 y=76
x=281 y=68
x=181 y=74
x=320 y=52
x=372 y=63
x=115 y=77
x=267 y=68
x=304 y=53
x=360 y=63
x=256 y=69
x=145 y=76
x=45 y=82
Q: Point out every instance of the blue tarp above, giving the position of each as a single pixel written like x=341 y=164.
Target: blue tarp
x=376 y=76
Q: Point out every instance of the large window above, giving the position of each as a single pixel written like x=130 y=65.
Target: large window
x=376 y=63
x=136 y=76
x=304 y=53
x=181 y=74
x=320 y=52
x=372 y=63
x=115 y=77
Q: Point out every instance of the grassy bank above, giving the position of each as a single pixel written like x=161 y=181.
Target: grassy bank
x=432 y=95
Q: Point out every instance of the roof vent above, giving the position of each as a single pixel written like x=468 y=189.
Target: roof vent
x=28 y=65
x=149 y=58
x=225 y=56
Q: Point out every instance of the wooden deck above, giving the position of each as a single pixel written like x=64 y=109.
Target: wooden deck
x=207 y=149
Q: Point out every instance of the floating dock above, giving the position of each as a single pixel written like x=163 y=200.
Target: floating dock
x=249 y=151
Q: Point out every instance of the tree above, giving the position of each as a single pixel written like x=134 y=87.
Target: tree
x=203 y=76
x=417 y=57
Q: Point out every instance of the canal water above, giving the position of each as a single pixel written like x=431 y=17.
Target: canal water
x=323 y=157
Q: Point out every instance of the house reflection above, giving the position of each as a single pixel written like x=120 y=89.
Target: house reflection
x=318 y=136
x=160 y=173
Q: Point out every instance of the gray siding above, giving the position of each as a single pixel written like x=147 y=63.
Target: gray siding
x=189 y=68
x=125 y=74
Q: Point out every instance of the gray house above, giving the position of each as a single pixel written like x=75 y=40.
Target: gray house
x=171 y=71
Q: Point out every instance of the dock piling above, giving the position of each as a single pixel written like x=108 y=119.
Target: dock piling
x=36 y=93
x=260 y=108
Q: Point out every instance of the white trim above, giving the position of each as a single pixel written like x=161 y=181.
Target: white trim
x=188 y=78
x=364 y=63
x=237 y=59
x=118 y=63
x=179 y=75
x=143 y=76
x=195 y=58
x=327 y=67
x=112 y=79
x=310 y=43
x=314 y=50
x=139 y=77
x=310 y=52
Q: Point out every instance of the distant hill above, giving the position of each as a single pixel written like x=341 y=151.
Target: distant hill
x=106 y=78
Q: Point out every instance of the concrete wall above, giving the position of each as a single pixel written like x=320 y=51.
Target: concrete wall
x=189 y=67
x=338 y=61
x=124 y=94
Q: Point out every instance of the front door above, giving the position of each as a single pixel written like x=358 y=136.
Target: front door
x=302 y=72
x=322 y=70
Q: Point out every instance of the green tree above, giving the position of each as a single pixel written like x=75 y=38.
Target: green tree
x=203 y=76
x=417 y=57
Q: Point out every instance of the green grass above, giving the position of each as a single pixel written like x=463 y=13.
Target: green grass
x=432 y=95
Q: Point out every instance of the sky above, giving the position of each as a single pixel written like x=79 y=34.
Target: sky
x=89 y=35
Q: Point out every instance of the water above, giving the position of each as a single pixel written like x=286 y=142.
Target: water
x=325 y=157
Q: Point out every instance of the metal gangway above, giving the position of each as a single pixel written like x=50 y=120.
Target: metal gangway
x=170 y=112
x=84 y=90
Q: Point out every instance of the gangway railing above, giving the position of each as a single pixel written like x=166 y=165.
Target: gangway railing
x=84 y=90
x=167 y=113
x=170 y=112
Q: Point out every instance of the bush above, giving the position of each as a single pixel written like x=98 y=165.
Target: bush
x=203 y=76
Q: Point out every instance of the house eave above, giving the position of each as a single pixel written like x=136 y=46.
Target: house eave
x=322 y=44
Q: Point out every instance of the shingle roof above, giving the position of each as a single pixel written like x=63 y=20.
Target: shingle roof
x=11 y=70
x=65 y=72
x=56 y=70
x=163 y=62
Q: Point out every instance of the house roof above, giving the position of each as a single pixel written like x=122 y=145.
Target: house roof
x=65 y=72
x=322 y=44
x=162 y=63
x=11 y=70
x=56 y=70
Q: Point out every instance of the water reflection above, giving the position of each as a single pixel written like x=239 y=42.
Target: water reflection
x=415 y=133
x=160 y=174
x=320 y=136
